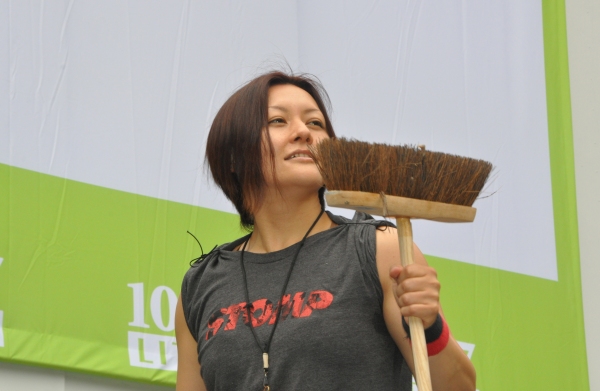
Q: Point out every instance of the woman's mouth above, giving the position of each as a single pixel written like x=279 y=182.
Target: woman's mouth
x=296 y=155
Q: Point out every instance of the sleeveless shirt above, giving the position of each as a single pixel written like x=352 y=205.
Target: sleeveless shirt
x=331 y=333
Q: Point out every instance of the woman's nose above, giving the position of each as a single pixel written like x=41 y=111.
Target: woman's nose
x=302 y=133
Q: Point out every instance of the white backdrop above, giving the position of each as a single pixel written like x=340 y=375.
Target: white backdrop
x=121 y=95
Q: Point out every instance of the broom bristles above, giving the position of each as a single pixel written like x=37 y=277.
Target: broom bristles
x=402 y=170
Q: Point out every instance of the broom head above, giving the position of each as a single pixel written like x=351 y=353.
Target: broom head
x=402 y=180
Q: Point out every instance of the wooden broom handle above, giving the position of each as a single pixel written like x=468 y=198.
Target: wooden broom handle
x=417 y=333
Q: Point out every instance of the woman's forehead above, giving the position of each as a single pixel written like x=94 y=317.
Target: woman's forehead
x=283 y=95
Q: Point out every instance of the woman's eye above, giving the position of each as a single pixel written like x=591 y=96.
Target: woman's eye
x=316 y=123
x=276 y=121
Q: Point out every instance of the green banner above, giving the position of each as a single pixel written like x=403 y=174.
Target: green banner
x=528 y=332
x=90 y=276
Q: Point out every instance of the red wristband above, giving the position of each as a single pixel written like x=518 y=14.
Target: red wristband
x=436 y=336
x=434 y=347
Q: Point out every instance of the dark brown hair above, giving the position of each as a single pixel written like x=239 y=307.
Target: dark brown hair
x=234 y=149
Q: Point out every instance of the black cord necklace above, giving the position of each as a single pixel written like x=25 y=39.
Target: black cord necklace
x=265 y=348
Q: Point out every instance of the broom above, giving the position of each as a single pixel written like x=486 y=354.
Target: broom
x=403 y=182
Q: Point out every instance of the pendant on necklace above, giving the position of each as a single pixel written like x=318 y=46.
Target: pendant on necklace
x=266 y=368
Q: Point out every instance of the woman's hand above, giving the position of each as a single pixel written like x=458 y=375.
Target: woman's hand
x=417 y=291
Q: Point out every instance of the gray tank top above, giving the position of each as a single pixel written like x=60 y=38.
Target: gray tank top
x=331 y=335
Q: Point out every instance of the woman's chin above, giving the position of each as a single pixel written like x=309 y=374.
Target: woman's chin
x=299 y=183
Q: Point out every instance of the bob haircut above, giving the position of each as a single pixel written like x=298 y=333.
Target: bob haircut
x=234 y=148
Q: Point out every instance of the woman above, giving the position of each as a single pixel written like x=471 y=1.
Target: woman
x=308 y=300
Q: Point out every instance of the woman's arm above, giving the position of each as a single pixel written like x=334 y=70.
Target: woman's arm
x=414 y=291
x=188 y=367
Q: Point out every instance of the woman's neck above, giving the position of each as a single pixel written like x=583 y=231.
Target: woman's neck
x=281 y=222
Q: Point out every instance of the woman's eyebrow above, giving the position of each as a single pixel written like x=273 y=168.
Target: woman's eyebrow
x=286 y=110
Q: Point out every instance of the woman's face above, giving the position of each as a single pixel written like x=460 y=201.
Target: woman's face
x=295 y=122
